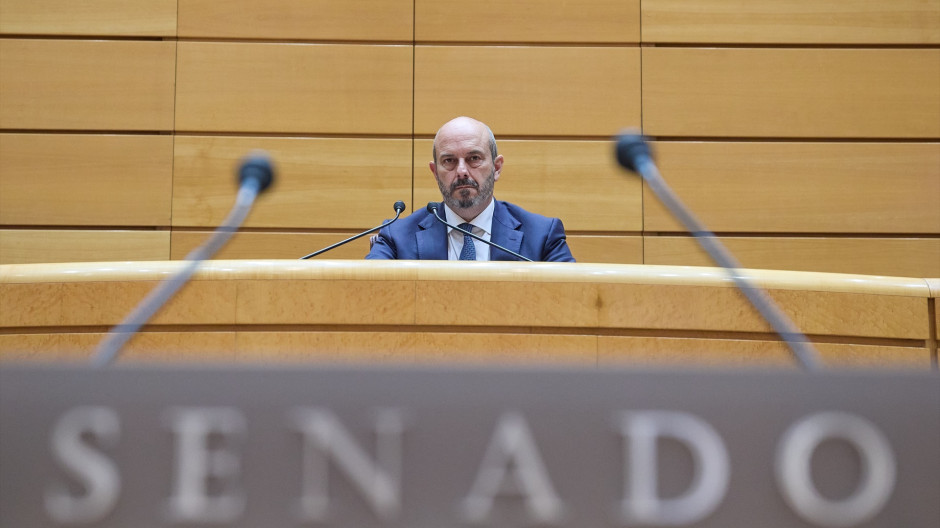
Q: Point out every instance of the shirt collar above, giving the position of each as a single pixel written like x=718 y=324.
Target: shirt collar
x=483 y=221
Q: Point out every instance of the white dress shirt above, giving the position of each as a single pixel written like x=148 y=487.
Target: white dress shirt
x=482 y=227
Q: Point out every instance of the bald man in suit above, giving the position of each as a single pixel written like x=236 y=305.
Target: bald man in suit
x=466 y=167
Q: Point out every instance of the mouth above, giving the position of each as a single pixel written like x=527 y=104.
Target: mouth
x=465 y=191
x=464 y=185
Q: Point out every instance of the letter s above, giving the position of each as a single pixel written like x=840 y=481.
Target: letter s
x=97 y=474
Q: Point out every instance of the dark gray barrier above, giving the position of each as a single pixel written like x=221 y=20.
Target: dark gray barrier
x=383 y=447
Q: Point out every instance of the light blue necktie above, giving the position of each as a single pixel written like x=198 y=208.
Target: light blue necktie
x=468 y=252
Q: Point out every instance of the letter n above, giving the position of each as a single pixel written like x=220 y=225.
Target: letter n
x=325 y=438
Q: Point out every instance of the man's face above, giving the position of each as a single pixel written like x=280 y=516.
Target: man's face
x=465 y=169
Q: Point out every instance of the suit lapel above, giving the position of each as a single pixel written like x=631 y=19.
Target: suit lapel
x=431 y=239
x=506 y=233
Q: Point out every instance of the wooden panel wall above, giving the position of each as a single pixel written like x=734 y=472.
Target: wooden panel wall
x=293 y=88
x=818 y=187
x=126 y=18
x=86 y=85
x=347 y=20
x=805 y=132
x=818 y=92
x=818 y=22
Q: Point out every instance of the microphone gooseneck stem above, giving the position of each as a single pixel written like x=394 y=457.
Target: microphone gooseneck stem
x=432 y=207
x=108 y=350
x=798 y=343
x=354 y=237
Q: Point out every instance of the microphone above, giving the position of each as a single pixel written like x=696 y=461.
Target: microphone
x=256 y=171
x=634 y=154
x=432 y=208
x=255 y=175
x=399 y=207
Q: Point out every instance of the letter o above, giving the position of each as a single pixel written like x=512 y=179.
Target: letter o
x=794 y=453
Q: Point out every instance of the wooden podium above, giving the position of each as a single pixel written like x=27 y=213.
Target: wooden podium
x=453 y=312
x=242 y=367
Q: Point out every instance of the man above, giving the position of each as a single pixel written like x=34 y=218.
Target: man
x=466 y=166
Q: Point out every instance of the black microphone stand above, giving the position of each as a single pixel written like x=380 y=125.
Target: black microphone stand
x=399 y=207
x=634 y=154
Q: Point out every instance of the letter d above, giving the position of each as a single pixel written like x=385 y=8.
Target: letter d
x=642 y=505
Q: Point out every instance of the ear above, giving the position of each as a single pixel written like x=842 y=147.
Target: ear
x=498 y=166
x=433 y=168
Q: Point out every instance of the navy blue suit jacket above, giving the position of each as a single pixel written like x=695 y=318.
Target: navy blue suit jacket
x=420 y=236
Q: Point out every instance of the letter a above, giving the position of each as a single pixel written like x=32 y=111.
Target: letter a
x=512 y=445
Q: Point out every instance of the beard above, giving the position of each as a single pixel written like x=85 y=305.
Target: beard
x=465 y=198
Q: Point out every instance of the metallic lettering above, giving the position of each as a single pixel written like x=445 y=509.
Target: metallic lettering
x=379 y=481
x=642 y=505
x=195 y=464
x=794 y=453
x=97 y=473
x=512 y=445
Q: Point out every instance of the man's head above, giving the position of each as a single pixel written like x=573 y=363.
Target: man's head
x=466 y=165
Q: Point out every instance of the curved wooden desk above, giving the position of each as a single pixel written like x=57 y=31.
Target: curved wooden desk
x=408 y=311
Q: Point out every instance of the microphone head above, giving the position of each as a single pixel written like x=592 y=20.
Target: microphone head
x=399 y=206
x=432 y=208
x=256 y=166
x=632 y=150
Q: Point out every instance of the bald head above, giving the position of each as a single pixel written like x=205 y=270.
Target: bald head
x=466 y=126
x=466 y=165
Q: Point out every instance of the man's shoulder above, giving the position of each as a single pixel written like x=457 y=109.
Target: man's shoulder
x=544 y=236
x=521 y=214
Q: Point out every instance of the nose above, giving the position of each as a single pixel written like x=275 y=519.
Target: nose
x=462 y=167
